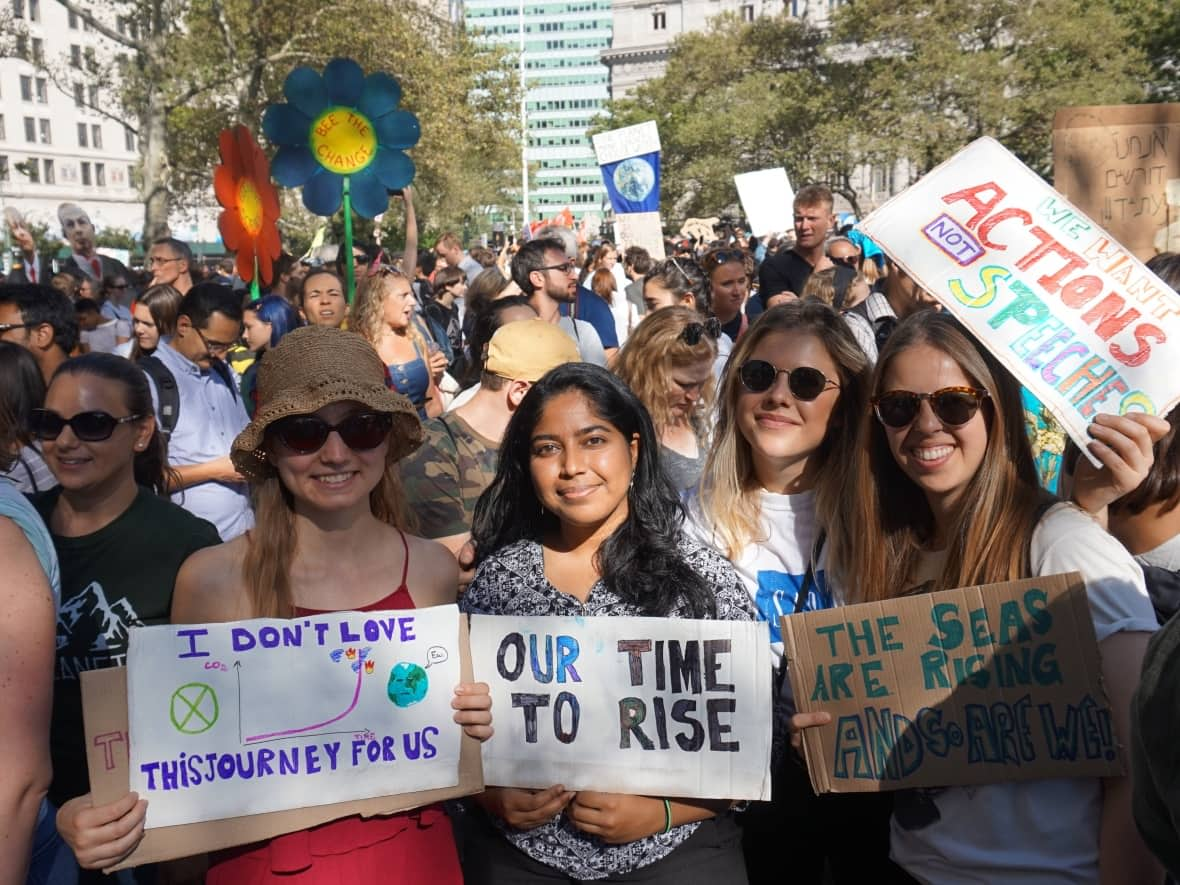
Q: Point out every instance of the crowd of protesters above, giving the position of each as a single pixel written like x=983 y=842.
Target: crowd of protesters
x=740 y=430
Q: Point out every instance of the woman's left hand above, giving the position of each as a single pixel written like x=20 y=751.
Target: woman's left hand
x=616 y=818
x=1124 y=446
x=473 y=709
x=438 y=365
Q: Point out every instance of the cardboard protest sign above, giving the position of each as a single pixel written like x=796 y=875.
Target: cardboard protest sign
x=627 y=705
x=104 y=707
x=1071 y=313
x=1120 y=164
x=978 y=685
x=263 y=715
x=767 y=199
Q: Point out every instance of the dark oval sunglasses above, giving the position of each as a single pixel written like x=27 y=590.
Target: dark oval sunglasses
x=804 y=382
x=305 y=434
x=952 y=406
x=45 y=424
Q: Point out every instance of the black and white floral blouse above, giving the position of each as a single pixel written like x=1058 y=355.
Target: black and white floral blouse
x=512 y=582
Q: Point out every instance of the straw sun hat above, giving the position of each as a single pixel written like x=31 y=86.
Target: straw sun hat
x=310 y=368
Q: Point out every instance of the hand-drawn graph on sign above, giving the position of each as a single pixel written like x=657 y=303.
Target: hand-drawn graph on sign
x=193 y=708
x=292 y=713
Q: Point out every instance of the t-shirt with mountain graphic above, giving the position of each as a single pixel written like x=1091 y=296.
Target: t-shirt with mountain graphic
x=111 y=580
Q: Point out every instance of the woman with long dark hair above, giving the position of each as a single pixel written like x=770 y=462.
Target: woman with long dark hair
x=581 y=519
x=120 y=542
x=22 y=389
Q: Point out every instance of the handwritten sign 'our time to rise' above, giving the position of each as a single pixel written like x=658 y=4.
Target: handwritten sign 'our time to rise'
x=976 y=685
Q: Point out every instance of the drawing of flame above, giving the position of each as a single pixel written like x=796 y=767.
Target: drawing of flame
x=369 y=667
x=350 y=654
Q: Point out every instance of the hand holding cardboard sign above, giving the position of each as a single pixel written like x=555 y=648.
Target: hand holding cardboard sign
x=525 y=809
x=615 y=818
x=473 y=705
x=801 y=721
x=102 y=835
x=1124 y=446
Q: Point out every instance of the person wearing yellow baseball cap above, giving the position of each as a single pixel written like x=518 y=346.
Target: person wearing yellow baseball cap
x=457 y=460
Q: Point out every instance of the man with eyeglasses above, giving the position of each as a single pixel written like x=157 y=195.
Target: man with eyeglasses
x=170 y=262
x=549 y=279
x=40 y=319
x=199 y=409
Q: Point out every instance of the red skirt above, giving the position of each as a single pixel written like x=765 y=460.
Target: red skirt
x=415 y=846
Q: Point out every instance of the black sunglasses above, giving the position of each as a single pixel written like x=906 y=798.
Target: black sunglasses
x=691 y=334
x=46 y=424
x=724 y=256
x=805 y=383
x=952 y=406
x=305 y=434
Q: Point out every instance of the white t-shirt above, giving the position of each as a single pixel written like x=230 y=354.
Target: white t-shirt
x=772 y=570
x=1029 y=832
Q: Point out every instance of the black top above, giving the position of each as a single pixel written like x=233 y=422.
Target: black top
x=785 y=271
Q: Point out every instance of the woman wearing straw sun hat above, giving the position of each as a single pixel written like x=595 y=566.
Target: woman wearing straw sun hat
x=329 y=537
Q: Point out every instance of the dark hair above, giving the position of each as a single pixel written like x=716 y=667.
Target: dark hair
x=283 y=264
x=40 y=305
x=279 y=312
x=339 y=263
x=427 y=261
x=86 y=305
x=205 y=299
x=683 y=276
x=163 y=303
x=638 y=259
x=1166 y=266
x=482 y=291
x=448 y=276
x=487 y=321
x=531 y=257
x=151 y=465
x=22 y=389
x=640 y=562
x=180 y=248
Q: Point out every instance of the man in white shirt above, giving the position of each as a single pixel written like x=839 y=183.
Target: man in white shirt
x=548 y=278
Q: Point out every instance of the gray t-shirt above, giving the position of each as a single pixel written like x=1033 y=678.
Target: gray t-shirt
x=586 y=337
x=685 y=472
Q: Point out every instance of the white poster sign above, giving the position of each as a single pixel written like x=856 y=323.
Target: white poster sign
x=1075 y=316
x=627 y=705
x=640 y=229
x=767 y=199
x=256 y=716
x=630 y=141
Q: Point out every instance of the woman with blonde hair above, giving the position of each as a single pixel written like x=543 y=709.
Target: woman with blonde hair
x=383 y=314
x=941 y=493
x=329 y=536
x=790 y=404
x=668 y=363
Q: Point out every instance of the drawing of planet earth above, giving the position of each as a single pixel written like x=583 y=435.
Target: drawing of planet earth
x=634 y=179
x=407 y=684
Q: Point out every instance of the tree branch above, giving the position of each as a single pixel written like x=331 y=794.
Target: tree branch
x=105 y=30
x=61 y=84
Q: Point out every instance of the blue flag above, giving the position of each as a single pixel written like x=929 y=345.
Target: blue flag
x=634 y=183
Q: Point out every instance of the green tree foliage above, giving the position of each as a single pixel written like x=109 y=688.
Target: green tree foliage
x=189 y=68
x=891 y=80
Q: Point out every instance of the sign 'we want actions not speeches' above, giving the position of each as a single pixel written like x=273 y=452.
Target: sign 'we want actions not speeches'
x=1072 y=314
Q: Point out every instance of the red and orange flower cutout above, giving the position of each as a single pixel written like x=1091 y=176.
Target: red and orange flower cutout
x=243 y=188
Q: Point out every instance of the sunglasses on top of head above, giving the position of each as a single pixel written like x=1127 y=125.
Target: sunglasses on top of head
x=691 y=333
x=46 y=424
x=305 y=434
x=953 y=406
x=804 y=382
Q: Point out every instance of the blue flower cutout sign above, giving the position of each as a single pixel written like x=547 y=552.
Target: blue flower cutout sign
x=341 y=134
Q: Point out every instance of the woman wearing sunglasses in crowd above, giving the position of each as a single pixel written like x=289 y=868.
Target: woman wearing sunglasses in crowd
x=790 y=405
x=264 y=323
x=328 y=537
x=729 y=271
x=384 y=314
x=581 y=520
x=120 y=543
x=668 y=363
x=942 y=493
x=153 y=316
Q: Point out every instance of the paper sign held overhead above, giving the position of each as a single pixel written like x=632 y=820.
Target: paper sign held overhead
x=1071 y=313
x=265 y=715
x=627 y=705
x=630 y=141
x=978 y=685
x=767 y=199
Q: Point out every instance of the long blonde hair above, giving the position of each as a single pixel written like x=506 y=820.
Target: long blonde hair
x=653 y=350
x=367 y=315
x=729 y=485
x=886 y=522
x=270 y=549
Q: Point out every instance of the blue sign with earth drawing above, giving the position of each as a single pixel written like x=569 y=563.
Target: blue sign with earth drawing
x=634 y=183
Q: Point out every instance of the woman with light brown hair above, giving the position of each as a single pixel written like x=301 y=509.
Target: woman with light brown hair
x=383 y=314
x=668 y=363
